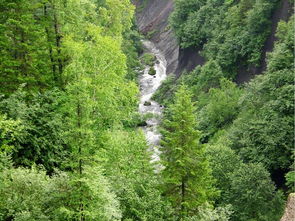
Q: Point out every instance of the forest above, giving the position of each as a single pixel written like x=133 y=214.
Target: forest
x=74 y=145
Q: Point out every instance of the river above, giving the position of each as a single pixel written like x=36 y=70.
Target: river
x=148 y=86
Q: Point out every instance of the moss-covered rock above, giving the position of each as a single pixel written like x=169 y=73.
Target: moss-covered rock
x=148 y=59
x=147 y=103
x=152 y=71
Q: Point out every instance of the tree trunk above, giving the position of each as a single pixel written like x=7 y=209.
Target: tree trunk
x=53 y=67
x=80 y=166
x=58 y=38
x=182 y=209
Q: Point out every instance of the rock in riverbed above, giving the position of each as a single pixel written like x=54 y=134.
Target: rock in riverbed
x=147 y=103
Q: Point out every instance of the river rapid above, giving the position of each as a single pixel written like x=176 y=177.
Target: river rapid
x=148 y=86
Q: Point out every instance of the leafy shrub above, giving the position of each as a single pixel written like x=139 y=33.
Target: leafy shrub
x=152 y=71
x=148 y=59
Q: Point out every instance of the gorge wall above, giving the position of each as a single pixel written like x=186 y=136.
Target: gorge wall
x=153 y=21
x=283 y=12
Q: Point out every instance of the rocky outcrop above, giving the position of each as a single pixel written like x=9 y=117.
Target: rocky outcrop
x=289 y=214
x=153 y=21
x=188 y=59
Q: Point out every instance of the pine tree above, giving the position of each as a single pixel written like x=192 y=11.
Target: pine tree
x=188 y=182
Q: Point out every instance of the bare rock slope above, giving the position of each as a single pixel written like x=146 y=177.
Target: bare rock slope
x=153 y=20
x=289 y=214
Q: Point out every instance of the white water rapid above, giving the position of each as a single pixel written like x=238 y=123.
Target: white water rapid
x=148 y=86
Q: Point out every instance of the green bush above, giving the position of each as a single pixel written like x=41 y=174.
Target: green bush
x=152 y=71
x=148 y=59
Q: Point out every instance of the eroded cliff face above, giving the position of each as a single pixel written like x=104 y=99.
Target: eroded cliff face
x=153 y=21
x=282 y=12
x=289 y=214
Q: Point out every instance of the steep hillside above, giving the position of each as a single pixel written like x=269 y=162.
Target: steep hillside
x=282 y=12
x=249 y=126
x=92 y=127
x=153 y=21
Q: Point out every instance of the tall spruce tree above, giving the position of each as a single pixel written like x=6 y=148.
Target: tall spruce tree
x=188 y=182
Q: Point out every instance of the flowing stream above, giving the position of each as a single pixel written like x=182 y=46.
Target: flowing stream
x=148 y=86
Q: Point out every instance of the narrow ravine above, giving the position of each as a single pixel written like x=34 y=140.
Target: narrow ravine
x=148 y=86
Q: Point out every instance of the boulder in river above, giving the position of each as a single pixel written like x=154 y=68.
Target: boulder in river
x=152 y=71
x=142 y=124
x=148 y=59
x=147 y=103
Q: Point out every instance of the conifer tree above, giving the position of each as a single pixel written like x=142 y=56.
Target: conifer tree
x=188 y=182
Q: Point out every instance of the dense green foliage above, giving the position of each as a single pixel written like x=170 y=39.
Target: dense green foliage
x=220 y=107
x=231 y=32
x=267 y=136
x=248 y=129
x=253 y=193
x=32 y=195
x=70 y=148
x=247 y=187
x=64 y=154
x=132 y=176
x=188 y=183
x=148 y=59
x=39 y=127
